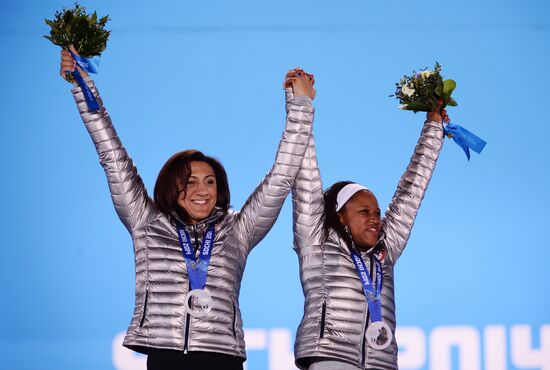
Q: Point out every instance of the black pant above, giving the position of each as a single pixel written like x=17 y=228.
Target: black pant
x=165 y=359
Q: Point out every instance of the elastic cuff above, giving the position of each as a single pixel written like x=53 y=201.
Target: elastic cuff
x=88 y=79
x=302 y=100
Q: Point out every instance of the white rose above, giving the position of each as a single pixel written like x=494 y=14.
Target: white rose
x=407 y=91
x=426 y=74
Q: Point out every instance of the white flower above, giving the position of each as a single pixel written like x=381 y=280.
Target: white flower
x=403 y=106
x=407 y=91
x=426 y=74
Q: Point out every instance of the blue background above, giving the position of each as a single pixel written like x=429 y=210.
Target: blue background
x=207 y=75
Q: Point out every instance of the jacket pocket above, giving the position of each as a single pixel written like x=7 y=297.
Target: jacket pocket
x=234 y=321
x=323 y=318
x=142 y=321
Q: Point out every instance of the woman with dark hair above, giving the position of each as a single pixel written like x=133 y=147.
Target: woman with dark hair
x=190 y=247
x=347 y=253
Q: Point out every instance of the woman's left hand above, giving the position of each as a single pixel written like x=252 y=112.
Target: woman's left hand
x=435 y=116
x=301 y=82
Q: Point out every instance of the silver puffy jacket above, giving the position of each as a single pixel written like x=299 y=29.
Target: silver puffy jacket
x=336 y=314
x=159 y=318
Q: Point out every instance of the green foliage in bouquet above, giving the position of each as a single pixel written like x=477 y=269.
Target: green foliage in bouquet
x=75 y=27
x=422 y=91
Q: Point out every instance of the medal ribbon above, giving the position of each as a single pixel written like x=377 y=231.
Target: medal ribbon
x=372 y=295
x=464 y=138
x=197 y=268
x=91 y=66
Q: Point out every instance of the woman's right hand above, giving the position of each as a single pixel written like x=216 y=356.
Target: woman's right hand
x=68 y=64
x=301 y=83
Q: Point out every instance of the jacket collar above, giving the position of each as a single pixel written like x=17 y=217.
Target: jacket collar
x=215 y=217
x=342 y=243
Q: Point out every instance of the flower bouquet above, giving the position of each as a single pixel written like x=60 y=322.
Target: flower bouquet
x=427 y=91
x=422 y=91
x=87 y=34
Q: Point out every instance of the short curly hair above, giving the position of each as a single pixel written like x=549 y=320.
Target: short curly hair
x=176 y=171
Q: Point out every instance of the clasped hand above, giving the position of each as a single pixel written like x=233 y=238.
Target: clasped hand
x=301 y=82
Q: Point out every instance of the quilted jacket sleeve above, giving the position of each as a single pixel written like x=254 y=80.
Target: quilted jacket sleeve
x=262 y=208
x=128 y=192
x=307 y=198
x=399 y=217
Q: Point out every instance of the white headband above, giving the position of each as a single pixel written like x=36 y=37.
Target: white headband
x=346 y=193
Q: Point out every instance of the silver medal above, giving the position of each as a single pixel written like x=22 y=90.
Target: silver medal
x=379 y=335
x=198 y=303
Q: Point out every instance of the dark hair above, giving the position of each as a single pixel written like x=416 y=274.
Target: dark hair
x=176 y=171
x=332 y=221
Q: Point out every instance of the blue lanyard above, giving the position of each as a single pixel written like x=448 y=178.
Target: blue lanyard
x=88 y=65
x=371 y=294
x=197 y=268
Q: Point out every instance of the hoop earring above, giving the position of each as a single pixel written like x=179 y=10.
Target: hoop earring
x=347 y=230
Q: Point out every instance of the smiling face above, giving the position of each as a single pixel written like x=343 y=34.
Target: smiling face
x=199 y=198
x=361 y=215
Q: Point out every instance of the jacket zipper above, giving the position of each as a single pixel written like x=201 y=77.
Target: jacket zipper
x=144 y=309
x=188 y=316
x=323 y=314
x=363 y=348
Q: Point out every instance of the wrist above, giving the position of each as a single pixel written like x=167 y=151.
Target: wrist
x=302 y=100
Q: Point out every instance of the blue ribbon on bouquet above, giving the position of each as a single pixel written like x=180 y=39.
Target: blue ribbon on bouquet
x=90 y=65
x=464 y=138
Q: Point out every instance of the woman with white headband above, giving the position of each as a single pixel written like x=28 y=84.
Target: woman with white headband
x=346 y=253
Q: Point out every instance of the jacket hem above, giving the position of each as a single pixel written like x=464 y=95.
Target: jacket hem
x=145 y=349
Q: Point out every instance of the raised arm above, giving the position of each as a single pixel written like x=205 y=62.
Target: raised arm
x=307 y=196
x=128 y=192
x=262 y=208
x=399 y=218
